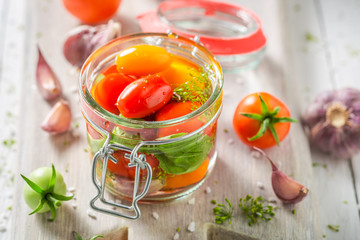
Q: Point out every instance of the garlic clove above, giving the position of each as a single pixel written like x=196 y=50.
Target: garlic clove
x=58 y=119
x=286 y=189
x=46 y=80
x=83 y=40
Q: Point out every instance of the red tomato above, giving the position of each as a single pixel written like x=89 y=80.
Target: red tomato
x=144 y=97
x=142 y=60
x=175 y=110
x=122 y=168
x=92 y=11
x=246 y=127
x=107 y=91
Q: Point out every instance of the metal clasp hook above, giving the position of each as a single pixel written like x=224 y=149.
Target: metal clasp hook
x=137 y=161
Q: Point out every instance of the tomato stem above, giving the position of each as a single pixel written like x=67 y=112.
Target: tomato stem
x=267 y=120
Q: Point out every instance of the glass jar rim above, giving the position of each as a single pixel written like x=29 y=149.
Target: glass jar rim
x=87 y=98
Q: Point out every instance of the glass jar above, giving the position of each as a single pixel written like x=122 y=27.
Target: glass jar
x=155 y=167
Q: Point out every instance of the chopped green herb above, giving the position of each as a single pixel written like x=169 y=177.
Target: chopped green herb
x=9 y=142
x=297 y=7
x=223 y=213
x=39 y=35
x=178 y=229
x=316 y=164
x=196 y=89
x=345 y=202
x=9 y=208
x=324 y=236
x=253 y=209
x=226 y=130
x=310 y=38
x=76 y=125
x=334 y=228
x=86 y=150
x=66 y=143
x=67 y=167
x=213 y=201
x=293 y=211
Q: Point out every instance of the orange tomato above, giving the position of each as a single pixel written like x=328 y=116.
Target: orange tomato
x=142 y=60
x=92 y=11
x=175 y=110
x=179 y=72
x=183 y=180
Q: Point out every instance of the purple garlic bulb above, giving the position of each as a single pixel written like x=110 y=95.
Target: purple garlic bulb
x=333 y=120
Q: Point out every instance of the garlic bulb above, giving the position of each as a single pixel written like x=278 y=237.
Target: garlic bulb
x=333 y=120
x=84 y=39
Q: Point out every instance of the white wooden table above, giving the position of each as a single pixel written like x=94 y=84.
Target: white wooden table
x=312 y=46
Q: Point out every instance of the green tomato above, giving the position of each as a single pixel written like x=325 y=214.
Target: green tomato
x=45 y=190
x=41 y=177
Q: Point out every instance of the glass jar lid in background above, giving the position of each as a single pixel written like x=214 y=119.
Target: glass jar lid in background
x=232 y=33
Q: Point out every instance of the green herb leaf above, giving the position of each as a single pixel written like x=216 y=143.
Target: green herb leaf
x=184 y=156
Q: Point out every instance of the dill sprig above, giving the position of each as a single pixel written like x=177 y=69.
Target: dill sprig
x=223 y=213
x=197 y=89
x=253 y=209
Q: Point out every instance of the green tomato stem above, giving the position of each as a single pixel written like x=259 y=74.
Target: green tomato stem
x=53 y=200
x=52 y=179
x=267 y=120
x=33 y=185
x=40 y=206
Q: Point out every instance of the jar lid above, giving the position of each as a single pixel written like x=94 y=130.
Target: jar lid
x=223 y=28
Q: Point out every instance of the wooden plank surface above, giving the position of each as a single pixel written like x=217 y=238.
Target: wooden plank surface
x=293 y=69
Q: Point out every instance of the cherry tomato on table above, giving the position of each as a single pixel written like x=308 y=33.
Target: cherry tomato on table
x=108 y=89
x=144 y=97
x=261 y=120
x=92 y=11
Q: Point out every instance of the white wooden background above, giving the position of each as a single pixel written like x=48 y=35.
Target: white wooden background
x=296 y=68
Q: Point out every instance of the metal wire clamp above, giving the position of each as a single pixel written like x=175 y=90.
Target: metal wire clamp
x=137 y=161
